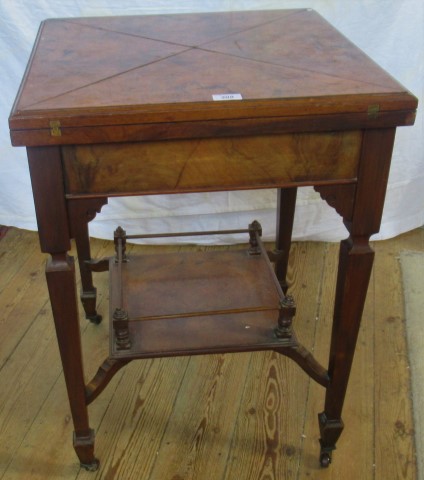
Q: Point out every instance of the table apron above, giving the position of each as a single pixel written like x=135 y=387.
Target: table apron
x=211 y=164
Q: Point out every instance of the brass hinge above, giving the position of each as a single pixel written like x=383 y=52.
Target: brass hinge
x=55 y=130
x=373 y=111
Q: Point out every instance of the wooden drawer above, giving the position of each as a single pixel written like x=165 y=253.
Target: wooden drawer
x=211 y=164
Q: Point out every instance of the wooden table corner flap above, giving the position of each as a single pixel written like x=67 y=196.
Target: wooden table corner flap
x=162 y=104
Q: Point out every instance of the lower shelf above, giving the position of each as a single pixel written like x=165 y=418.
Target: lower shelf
x=193 y=303
x=198 y=303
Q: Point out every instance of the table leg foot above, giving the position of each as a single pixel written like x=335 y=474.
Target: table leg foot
x=330 y=431
x=84 y=448
x=88 y=299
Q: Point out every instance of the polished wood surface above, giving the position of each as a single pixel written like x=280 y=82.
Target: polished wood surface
x=200 y=283
x=99 y=72
x=199 y=295
x=124 y=106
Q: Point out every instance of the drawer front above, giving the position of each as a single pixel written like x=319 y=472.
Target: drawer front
x=211 y=164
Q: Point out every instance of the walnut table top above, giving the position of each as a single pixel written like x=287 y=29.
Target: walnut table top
x=122 y=78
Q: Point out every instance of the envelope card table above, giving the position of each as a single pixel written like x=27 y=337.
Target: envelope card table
x=163 y=104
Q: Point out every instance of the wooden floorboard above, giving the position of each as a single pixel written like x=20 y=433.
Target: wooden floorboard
x=236 y=416
x=394 y=428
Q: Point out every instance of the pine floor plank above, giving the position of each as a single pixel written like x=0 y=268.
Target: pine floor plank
x=15 y=247
x=263 y=444
x=246 y=416
x=394 y=443
x=26 y=383
x=197 y=439
x=22 y=294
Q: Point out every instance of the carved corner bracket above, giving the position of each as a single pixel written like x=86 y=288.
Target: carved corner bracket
x=339 y=197
x=84 y=211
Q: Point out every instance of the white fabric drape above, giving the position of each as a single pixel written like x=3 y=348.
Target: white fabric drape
x=389 y=31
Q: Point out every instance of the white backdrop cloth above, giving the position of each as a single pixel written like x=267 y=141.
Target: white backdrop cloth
x=389 y=31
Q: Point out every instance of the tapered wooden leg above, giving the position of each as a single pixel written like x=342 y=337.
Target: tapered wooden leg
x=362 y=218
x=60 y=273
x=355 y=264
x=81 y=211
x=286 y=202
x=53 y=221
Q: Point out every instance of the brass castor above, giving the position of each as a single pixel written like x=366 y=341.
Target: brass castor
x=325 y=459
x=91 y=467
